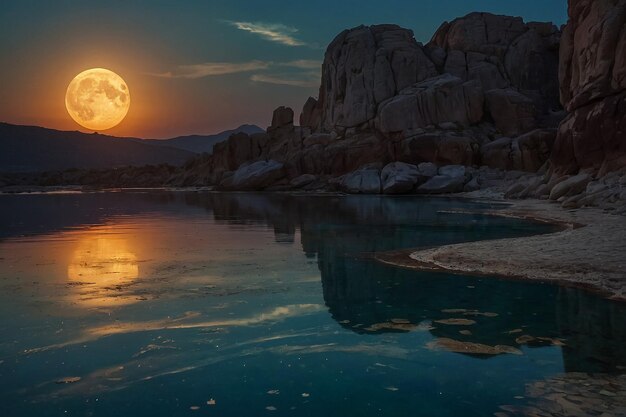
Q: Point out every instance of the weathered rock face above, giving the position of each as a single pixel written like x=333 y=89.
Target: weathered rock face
x=282 y=117
x=592 y=74
x=474 y=95
x=442 y=148
x=512 y=112
x=445 y=98
x=365 y=66
x=501 y=52
x=310 y=116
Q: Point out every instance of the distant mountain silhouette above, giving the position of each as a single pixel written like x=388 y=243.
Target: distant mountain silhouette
x=203 y=143
x=36 y=149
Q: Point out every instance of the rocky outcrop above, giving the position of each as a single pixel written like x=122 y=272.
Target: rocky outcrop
x=438 y=100
x=386 y=98
x=501 y=52
x=592 y=74
x=365 y=66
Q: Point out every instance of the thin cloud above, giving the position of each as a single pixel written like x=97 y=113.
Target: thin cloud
x=208 y=69
x=308 y=80
x=274 y=32
x=303 y=64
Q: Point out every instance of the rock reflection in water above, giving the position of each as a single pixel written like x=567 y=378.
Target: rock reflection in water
x=365 y=296
x=392 y=330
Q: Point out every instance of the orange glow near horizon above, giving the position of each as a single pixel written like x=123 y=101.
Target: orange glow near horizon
x=41 y=100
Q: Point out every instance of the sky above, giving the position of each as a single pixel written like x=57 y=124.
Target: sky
x=198 y=67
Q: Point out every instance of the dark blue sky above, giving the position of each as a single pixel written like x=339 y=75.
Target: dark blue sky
x=198 y=66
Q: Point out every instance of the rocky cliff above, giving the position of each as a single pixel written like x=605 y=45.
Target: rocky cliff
x=487 y=100
x=592 y=76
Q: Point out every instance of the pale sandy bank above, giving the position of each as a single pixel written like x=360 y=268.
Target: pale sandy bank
x=589 y=252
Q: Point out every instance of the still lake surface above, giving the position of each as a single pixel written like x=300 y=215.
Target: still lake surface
x=199 y=303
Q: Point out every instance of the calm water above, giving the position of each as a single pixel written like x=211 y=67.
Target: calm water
x=270 y=305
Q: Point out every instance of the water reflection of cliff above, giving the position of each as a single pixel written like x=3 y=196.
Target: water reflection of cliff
x=361 y=293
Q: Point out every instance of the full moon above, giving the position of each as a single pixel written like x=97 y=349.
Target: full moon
x=97 y=99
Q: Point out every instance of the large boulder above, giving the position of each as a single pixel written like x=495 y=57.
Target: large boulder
x=365 y=66
x=592 y=75
x=445 y=98
x=363 y=181
x=302 y=180
x=256 y=175
x=571 y=186
x=400 y=178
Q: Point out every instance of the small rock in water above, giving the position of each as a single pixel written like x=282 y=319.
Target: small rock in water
x=68 y=380
x=522 y=340
x=465 y=332
x=478 y=313
x=456 y=322
x=471 y=348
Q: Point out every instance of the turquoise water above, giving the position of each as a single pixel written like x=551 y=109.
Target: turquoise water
x=180 y=303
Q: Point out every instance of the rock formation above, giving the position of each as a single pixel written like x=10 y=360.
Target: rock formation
x=483 y=96
x=592 y=73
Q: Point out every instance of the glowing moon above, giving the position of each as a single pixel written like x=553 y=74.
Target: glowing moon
x=97 y=99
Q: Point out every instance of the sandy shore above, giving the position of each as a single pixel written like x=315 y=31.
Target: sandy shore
x=589 y=252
